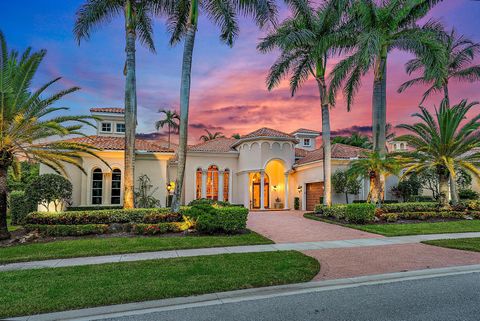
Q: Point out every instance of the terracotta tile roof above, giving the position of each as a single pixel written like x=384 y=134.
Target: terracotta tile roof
x=113 y=110
x=118 y=143
x=267 y=132
x=304 y=130
x=339 y=151
x=300 y=152
x=217 y=145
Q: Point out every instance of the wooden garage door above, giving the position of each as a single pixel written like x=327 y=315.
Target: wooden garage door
x=314 y=192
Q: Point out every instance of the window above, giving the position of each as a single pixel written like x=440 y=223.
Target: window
x=307 y=142
x=402 y=146
x=226 y=180
x=116 y=186
x=120 y=128
x=97 y=186
x=106 y=127
x=198 y=193
x=212 y=183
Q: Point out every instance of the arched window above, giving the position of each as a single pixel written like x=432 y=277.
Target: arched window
x=116 y=186
x=226 y=181
x=198 y=192
x=402 y=146
x=97 y=186
x=212 y=182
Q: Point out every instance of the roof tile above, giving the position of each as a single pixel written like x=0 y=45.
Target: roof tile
x=217 y=145
x=113 y=110
x=339 y=151
x=118 y=143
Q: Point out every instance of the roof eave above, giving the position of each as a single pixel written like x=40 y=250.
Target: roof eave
x=249 y=139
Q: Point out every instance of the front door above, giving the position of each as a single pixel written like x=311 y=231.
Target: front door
x=256 y=195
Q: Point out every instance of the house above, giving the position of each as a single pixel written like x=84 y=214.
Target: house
x=264 y=169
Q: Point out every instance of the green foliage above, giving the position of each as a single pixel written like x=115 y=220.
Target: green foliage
x=360 y=213
x=93 y=208
x=355 y=139
x=19 y=178
x=410 y=207
x=343 y=183
x=473 y=205
x=68 y=230
x=20 y=206
x=153 y=215
x=209 y=219
x=420 y=198
x=296 y=203
x=144 y=194
x=389 y=217
x=210 y=136
x=50 y=188
x=336 y=211
x=407 y=187
x=467 y=194
x=463 y=179
x=160 y=228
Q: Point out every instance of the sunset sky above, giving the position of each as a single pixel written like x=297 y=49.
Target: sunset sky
x=228 y=85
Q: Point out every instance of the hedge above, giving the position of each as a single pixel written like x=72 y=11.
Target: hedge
x=161 y=228
x=360 y=213
x=68 y=230
x=383 y=202
x=94 y=208
x=209 y=219
x=337 y=211
x=20 y=206
x=393 y=217
x=155 y=215
x=410 y=207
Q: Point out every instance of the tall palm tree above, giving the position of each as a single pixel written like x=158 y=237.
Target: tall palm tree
x=171 y=121
x=26 y=117
x=355 y=139
x=460 y=53
x=374 y=167
x=210 y=136
x=183 y=23
x=380 y=27
x=443 y=141
x=306 y=41
x=138 y=26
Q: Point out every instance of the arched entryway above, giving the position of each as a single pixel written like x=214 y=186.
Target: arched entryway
x=269 y=187
x=256 y=196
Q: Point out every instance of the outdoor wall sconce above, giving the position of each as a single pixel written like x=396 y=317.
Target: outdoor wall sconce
x=170 y=186
x=299 y=188
x=274 y=187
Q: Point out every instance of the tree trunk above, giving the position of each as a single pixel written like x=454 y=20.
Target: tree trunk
x=326 y=144
x=445 y=94
x=168 y=135
x=374 y=193
x=184 y=106
x=443 y=178
x=454 y=191
x=379 y=106
x=4 y=234
x=130 y=116
x=346 y=197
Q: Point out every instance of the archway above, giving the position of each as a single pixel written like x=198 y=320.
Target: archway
x=256 y=191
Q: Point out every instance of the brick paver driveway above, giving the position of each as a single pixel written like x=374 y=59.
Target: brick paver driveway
x=291 y=226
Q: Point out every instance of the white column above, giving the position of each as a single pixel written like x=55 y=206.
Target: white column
x=204 y=184
x=262 y=190
x=220 y=185
x=286 y=192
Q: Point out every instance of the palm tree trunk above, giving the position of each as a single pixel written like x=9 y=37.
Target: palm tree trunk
x=169 y=136
x=443 y=178
x=130 y=111
x=379 y=106
x=4 y=234
x=184 y=106
x=446 y=95
x=326 y=144
x=130 y=123
x=453 y=183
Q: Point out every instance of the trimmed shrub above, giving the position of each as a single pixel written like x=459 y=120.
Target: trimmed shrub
x=420 y=198
x=383 y=202
x=360 y=213
x=68 y=230
x=389 y=217
x=296 y=203
x=100 y=217
x=93 y=208
x=473 y=205
x=50 y=188
x=20 y=206
x=410 y=207
x=209 y=219
x=336 y=211
x=161 y=228
x=392 y=217
x=467 y=194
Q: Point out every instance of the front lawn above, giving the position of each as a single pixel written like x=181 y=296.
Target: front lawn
x=467 y=244
x=119 y=245
x=401 y=229
x=58 y=289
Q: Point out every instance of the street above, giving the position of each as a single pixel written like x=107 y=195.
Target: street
x=448 y=298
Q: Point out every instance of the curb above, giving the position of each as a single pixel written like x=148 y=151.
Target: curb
x=140 y=308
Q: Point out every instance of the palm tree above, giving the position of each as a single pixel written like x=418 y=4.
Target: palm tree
x=138 y=26
x=355 y=139
x=211 y=136
x=460 y=54
x=380 y=27
x=306 y=42
x=374 y=167
x=236 y=136
x=27 y=118
x=442 y=144
x=183 y=23
x=171 y=121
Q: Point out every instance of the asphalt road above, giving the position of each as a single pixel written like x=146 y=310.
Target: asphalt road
x=449 y=298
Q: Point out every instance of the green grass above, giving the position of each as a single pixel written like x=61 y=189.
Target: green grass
x=58 y=289
x=11 y=227
x=467 y=244
x=410 y=228
x=119 y=245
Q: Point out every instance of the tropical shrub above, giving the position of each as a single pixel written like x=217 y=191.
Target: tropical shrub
x=209 y=219
x=392 y=217
x=160 y=228
x=407 y=187
x=144 y=194
x=93 y=208
x=336 y=211
x=68 y=230
x=296 y=203
x=20 y=206
x=467 y=194
x=410 y=207
x=421 y=198
x=154 y=215
x=360 y=213
x=383 y=202
x=50 y=188
x=389 y=217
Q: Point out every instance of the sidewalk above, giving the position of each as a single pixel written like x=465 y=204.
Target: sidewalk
x=310 y=248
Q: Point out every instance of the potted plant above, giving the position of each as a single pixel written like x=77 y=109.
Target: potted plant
x=278 y=203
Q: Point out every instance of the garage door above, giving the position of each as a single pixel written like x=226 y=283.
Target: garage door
x=314 y=192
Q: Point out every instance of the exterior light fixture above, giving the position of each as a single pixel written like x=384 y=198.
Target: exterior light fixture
x=274 y=187
x=299 y=188
x=171 y=186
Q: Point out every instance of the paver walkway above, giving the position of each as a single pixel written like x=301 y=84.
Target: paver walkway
x=291 y=226
x=310 y=248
